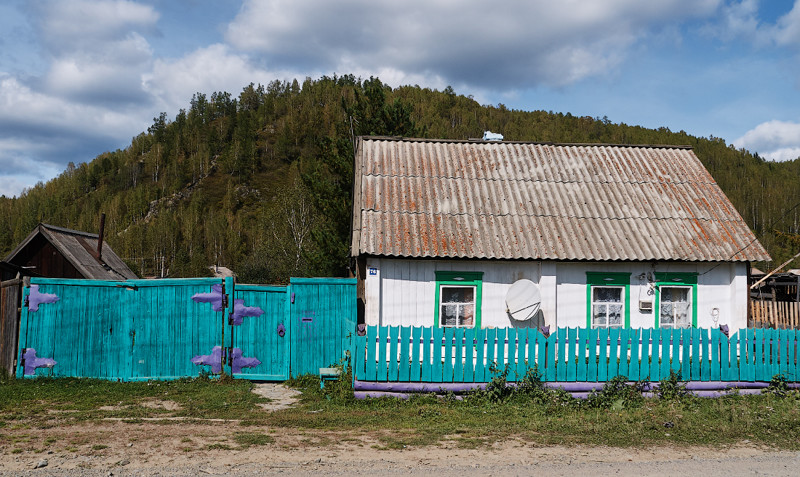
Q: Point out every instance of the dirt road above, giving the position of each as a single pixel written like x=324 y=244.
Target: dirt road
x=124 y=449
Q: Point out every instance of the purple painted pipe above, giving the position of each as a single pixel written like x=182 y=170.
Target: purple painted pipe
x=416 y=387
x=419 y=387
x=364 y=389
x=378 y=394
x=577 y=395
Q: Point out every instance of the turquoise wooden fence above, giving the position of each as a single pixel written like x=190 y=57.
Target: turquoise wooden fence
x=132 y=330
x=166 y=329
x=323 y=318
x=260 y=336
x=457 y=355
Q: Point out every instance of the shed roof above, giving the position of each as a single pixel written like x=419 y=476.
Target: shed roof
x=517 y=200
x=76 y=247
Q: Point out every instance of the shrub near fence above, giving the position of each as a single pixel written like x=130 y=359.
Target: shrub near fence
x=457 y=355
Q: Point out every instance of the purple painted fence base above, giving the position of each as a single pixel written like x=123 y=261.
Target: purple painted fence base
x=373 y=389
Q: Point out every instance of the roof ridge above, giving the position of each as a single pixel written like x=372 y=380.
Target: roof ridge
x=463 y=214
x=69 y=231
x=538 y=143
x=511 y=179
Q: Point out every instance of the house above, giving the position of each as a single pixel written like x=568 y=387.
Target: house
x=56 y=252
x=515 y=234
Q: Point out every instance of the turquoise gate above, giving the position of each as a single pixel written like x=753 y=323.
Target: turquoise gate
x=167 y=329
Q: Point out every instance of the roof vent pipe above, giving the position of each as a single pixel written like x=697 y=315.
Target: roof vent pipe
x=100 y=237
x=490 y=136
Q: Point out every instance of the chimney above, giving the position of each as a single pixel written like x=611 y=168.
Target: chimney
x=100 y=237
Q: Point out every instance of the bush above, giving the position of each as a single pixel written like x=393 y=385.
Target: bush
x=778 y=386
x=617 y=394
x=672 y=388
x=498 y=389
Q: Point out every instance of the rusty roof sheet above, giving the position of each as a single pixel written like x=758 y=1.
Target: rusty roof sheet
x=511 y=200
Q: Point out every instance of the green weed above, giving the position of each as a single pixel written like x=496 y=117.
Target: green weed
x=247 y=439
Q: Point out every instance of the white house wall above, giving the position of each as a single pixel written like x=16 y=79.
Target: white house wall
x=402 y=291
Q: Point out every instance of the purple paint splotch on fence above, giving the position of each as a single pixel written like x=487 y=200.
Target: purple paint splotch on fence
x=35 y=298
x=240 y=311
x=237 y=360
x=214 y=297
x=214 y=359
x=31 y=362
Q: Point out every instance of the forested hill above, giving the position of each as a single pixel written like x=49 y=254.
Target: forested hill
x=261 y=182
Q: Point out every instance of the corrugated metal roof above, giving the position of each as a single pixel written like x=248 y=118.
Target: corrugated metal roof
x=511 y=200
x=75 y=246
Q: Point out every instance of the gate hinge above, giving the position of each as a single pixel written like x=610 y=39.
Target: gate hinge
x=224 y=300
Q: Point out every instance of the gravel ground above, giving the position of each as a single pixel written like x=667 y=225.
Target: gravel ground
x=296 y=456
x=114 y=448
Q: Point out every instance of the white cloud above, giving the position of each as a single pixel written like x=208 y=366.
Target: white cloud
x=21 y=108
x=69 y=25
x=787 y=29
x=40 y=133
x=214 y=68
x=520 y=44
x=774 y=140
x=97 y=49
x=739 y=20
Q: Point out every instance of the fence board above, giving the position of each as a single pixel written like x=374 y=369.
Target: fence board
x=447 y=365
x=427 y=360
x=469 y=355
x=551 y=356
x=373 y=344
x=561 y=351
x=438 y=337
x=592 y=363
x=514 y=357
x=635 y=346
x=480 y=356
x=500 y=357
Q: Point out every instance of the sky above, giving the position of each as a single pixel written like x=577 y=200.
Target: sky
x=81 y=77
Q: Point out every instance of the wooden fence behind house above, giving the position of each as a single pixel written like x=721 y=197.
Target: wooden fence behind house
x=458 y=355
x=774 y=314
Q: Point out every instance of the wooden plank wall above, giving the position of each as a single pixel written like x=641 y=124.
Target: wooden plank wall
x=437 y=355
x=774 y=314
x=9 y=323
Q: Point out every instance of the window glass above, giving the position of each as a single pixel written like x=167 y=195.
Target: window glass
x=675 y=307
x=607 y=307
x=457 y=306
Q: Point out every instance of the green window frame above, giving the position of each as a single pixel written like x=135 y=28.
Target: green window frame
x=676 y=279
x=609 y=279
x=447 y=279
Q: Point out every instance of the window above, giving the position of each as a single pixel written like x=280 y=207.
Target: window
x=676 y=307
x=458 y=299
x=607 y=307
x=607 y=300
x=676 y=300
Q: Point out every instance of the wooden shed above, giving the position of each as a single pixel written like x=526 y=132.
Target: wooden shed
x=56 y=252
